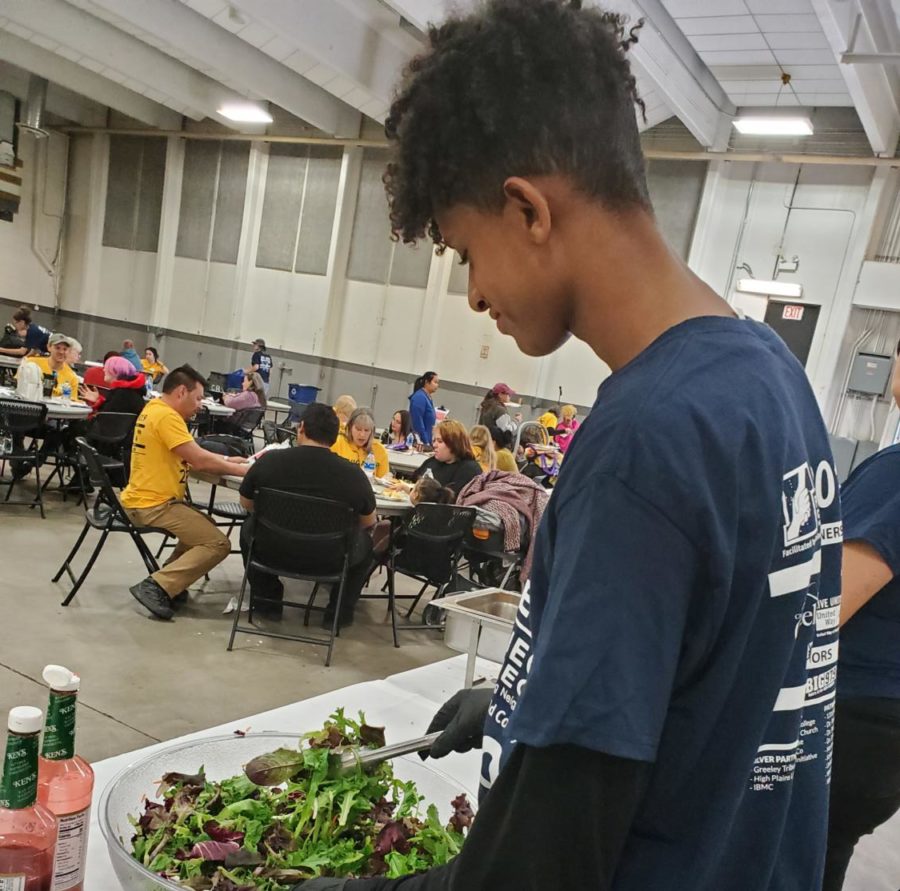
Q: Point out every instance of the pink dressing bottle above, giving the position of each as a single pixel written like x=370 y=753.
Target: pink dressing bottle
x=27 y=828
x=65 y=780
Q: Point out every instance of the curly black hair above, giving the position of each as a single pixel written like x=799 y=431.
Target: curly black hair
x=519 y=88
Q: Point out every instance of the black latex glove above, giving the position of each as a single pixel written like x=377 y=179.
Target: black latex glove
x=323 y=883
x=462 y=719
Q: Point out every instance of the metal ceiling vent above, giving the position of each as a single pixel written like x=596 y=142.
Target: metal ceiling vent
x=34 y=108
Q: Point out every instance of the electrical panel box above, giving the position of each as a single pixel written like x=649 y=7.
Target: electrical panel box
x=870 y=374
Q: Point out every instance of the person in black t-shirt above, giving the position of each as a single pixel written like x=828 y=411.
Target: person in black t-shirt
x=453 y=464
x=312 y=469
x=260 y=362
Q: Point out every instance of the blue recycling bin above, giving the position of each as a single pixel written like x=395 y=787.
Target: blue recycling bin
x=302 y=393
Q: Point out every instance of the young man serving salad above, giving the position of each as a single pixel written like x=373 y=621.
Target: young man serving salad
x=664 y=716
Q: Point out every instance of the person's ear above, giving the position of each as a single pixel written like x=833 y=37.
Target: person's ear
x=528 y=207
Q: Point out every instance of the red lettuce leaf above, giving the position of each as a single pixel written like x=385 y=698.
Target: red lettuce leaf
x=221 y=834
x=462 y=813
x=214 y=850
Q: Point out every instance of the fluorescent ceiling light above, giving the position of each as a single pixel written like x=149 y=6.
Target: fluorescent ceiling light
x=752 y=125
x=769 y=288
x=245 y=113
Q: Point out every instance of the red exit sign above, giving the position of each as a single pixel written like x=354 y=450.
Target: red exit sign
x=792 y=313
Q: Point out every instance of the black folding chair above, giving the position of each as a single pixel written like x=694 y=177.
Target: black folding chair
x=427 y=549
x=298 y=537
x=106 y=515
x=241 y=424
x=273 y=434
x=111 y=432
x=18 y=420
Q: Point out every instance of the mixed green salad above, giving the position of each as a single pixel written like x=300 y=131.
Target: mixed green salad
x=291 y=817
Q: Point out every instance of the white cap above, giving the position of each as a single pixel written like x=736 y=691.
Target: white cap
x=25 y=719
x=59 y=678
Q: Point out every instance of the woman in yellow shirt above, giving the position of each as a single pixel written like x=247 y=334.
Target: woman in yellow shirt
x=56 y=364
x=152 y=365
x=483 y=447
x=358 y=441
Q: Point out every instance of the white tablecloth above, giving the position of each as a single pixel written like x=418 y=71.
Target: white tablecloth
x=404 y=703
x=56 y=410
x=10 y=361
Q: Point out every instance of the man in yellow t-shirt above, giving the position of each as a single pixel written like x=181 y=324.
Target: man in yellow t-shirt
x=162 y=453
x=56 y=363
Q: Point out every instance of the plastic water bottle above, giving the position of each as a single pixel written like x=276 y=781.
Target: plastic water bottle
x=411 y=441
x=66 y=393
x=369 y=465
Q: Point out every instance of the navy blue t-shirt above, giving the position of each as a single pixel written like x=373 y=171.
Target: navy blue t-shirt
x=870 y=641
x=37 y=337
x=683 y=610
x=264 y=363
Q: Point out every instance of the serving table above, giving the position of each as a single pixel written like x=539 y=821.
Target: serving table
x=403 y=703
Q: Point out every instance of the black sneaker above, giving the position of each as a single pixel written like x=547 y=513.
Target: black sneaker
x=149 y=594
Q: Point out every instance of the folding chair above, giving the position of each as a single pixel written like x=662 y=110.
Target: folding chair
x=298 y=537
x=429 y=551
x=106 y=515
x=19 y=419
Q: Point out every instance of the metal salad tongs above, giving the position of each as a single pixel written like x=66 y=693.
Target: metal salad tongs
x=348 y=761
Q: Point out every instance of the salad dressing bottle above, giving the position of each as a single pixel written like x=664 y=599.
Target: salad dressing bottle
x=65 y=780
x=27 y=829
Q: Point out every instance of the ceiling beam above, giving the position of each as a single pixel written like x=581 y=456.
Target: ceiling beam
x=869 y=85
x=122 y=56
x=361 y=64
x=234 y=62
x=665 y=57
x=61 y=102
x=79 y=80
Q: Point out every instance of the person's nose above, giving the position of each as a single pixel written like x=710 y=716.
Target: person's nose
x=476 y=301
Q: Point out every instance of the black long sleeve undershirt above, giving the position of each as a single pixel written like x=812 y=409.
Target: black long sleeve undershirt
x=557 y=817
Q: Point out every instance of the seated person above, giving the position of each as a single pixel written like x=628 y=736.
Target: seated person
x=429 y=491
x=344 y=406
x=540 y=466
x=123 y=389
x=313 y=469
x=252 y=395
x=161 y=457
x=130 y=353
x=34 y=336
x=503 y=441
x=75 y=351
x=151 y=364
x=358 y=441
x=401 y=426
x=549 y=419
x=483 y=447
x=95 y=376
x=57 y=363
x=566 y=427
x=453 y=463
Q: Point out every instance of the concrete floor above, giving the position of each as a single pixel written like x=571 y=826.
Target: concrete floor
x=145 y=680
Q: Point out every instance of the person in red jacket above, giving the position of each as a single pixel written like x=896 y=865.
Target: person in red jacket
x=124 y=389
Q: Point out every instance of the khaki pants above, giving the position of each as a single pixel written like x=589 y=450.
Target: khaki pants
x=201 y=545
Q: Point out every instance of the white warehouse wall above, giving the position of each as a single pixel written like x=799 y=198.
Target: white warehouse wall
x=386 y=333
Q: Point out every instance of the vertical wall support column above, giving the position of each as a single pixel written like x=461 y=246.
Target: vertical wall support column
x=87 y=292
x=241 y=311
x=160 y=307
x=339 y=254
x=430 y=319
